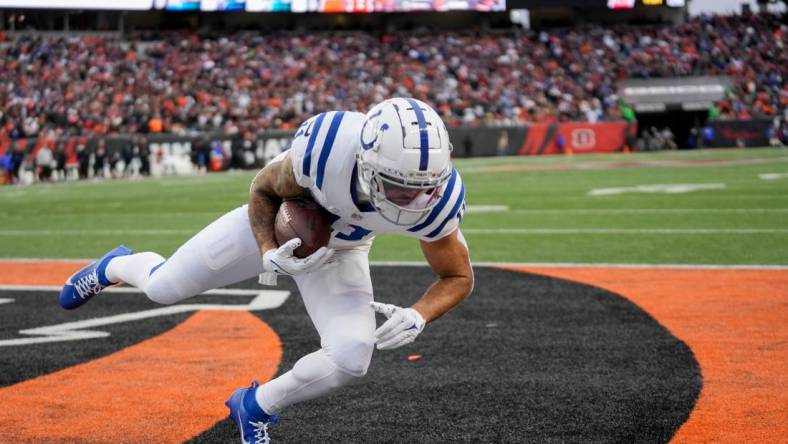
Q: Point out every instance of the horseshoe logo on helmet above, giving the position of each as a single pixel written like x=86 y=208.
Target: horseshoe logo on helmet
x=370 y=144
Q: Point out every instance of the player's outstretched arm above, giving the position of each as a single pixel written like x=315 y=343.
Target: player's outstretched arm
x=271 y=184
x=448 y=258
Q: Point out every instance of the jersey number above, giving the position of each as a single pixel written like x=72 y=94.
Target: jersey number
x=357 y=234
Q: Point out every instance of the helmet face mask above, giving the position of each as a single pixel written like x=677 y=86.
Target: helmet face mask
x=404 y=159
x=397 y=202
x=411 y=197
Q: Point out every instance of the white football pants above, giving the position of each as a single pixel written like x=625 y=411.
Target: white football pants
x=336 y=297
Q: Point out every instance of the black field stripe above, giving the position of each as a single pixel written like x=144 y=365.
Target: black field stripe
x=526 y=359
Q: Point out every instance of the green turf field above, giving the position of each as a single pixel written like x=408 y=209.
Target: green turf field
x=520 y=210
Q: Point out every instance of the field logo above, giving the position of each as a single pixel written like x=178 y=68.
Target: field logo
x=86 y=328
x=583 y=138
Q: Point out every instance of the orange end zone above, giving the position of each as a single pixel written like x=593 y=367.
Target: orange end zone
x=165 y=389
x=735 y=322
x=37 y=273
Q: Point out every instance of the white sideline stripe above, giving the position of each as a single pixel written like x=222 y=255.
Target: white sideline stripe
x=649 y=210
x=624 y=230
x=613 y=164
x=77 y=330
x=34 y=260
x=424 y=264
x=216 y=291
x=37 y=232
x=592 y=265
x=475 y=209
x=464 y=230
x=6 y=300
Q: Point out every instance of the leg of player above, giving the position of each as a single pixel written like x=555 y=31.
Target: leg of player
x=223 y=253
x=337 y=299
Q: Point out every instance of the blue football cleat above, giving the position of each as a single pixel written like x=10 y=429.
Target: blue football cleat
x=89 y=281
x=249 y=416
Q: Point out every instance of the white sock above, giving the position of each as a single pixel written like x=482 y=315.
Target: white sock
x=313 y=376
x=133 y=269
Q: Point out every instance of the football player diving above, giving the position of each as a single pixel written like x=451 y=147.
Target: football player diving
x=388 y=171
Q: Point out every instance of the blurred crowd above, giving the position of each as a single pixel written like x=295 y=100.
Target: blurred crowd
x=178 y=82
x=74 y=159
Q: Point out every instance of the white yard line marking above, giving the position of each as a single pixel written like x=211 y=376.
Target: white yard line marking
x=78 y=330
x=658 y=188
x=486 y=208
x=6 y=300
x=772 y=176
x=624 y=230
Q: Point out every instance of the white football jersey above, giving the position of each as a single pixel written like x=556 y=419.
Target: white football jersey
x=323 y=153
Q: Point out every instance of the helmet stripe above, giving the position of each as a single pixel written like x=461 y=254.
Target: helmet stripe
x=452 y=213
x=424 y=142
x=439 y=207
x=327 y=144
x=311 y=144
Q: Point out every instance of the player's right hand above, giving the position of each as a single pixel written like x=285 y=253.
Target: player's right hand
x=282 y=261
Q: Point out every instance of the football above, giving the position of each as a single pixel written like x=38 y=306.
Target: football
x=305 y=219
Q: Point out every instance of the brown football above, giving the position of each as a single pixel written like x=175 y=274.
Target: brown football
x=305 y=219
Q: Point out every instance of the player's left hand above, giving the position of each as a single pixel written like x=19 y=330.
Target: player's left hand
x=401 y=328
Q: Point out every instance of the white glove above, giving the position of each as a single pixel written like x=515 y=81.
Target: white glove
x=282 y=261
x=402 y=327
